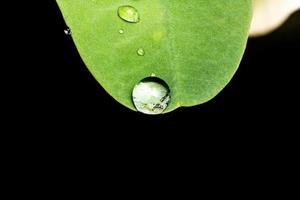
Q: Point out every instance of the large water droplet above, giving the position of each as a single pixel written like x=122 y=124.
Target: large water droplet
x=129 y=14
x=151 y=95
x=67 y=31
x=140 y=52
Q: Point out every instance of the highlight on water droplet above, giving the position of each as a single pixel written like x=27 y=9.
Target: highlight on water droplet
x=140 y=52
x=129 y=14
x=151 y=95
x=121 y=31
x=67 y=31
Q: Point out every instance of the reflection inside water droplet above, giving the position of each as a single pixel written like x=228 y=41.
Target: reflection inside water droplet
x=129 y=14
x=67 y=31
x=151 y=95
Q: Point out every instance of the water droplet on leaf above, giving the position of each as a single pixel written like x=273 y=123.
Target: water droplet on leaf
x=129 y=14
x=151 y=95
x=141 y=52
x=67 y=31
x=121 y=31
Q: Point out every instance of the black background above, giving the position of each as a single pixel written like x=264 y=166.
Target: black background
x=57 y=117
x=52 y=86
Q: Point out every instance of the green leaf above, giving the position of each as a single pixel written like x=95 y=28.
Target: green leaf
x=195 y=46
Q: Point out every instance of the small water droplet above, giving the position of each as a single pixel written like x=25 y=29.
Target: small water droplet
x=129 y=14
x=140 y=52
x=121 y=31
x=68 y=31
x=151 y=95
x=153 y=75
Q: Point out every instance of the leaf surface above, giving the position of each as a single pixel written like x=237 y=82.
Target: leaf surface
x=195 y=46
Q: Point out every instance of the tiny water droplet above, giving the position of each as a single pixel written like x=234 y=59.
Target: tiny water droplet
x=151 y=95
x=153 y=75
x=68 y=31
x=141 y=52
x=121 y=31
x=129 y=14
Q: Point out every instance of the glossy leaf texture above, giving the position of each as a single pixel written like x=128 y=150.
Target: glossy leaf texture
x=195 y=46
